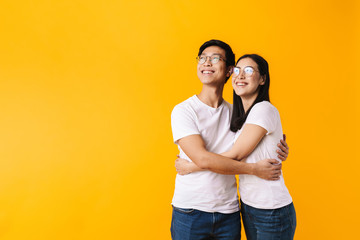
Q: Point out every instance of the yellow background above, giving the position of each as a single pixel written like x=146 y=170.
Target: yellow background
x=87 y=88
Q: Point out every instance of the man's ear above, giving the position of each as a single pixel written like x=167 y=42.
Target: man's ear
x=230 y=71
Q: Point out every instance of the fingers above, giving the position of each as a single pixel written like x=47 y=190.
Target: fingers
x=284 y=143
x=276 y=175
x=273 y=161
x=179 y=166
x=284 y=137
x=282 y=158
x=182 y=172
x=282 y=155
x=283 y=150
x=277 y=168
x=274 y=172
x=179 y=171
x=275 y=178
x=283 y=146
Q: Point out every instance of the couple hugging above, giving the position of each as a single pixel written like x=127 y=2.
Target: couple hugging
x=218 y=140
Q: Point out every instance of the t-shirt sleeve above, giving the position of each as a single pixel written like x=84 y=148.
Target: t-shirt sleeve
x=264 y=115
x=183 y=123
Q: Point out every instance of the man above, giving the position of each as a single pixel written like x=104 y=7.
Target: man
x=205 y=204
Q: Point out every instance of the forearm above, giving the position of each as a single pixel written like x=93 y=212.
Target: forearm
x=232 y=155
x=194 y=148
x=223 y=165
x=192 y=167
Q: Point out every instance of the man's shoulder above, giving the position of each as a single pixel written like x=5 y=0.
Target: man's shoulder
x=227 y=104
x=186 y=104
x=193 y=104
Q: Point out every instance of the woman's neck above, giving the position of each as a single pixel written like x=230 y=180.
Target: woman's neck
x=247 y=101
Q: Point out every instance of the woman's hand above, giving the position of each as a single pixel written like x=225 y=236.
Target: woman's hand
x=183 y=166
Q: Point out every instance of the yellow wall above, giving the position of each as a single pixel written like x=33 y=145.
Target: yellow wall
x=86 y=91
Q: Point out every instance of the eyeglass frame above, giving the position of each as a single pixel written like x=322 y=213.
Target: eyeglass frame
x=211 y=60
x=235 y=75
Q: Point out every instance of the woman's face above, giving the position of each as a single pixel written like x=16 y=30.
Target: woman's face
x=246 y=78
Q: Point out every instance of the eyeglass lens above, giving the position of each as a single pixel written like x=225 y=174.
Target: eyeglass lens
x=248 y=71
x=213 y=59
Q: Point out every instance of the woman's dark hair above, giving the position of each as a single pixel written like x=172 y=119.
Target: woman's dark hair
x=239 y=115
x=229 y=54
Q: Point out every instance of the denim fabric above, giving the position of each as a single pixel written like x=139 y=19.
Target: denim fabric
x=192 y=224
x=269 y=224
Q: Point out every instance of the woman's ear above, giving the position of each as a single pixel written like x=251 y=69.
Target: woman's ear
x=263 y=80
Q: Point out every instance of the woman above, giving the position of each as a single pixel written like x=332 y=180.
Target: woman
x=266 y=206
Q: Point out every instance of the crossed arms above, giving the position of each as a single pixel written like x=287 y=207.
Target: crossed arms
x=230 y=162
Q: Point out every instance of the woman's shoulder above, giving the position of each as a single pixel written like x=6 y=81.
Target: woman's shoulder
x=265 y=115
x=264 y=106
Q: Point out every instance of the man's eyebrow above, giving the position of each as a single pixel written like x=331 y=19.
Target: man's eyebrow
x=211 y=54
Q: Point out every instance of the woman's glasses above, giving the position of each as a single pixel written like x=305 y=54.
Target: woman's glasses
x=248 y=71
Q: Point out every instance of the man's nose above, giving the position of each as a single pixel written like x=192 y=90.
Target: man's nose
x=207 y=61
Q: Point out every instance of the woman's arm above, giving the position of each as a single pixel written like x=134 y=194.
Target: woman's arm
x=244 y=145
x=184 y=167
x=247 y=141
x=263 y=118
x=194 y=147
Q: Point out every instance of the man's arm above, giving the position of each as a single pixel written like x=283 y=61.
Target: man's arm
x=184 y=167
x=194 y=148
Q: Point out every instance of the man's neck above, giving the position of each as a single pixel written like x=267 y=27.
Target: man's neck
x=211 y=96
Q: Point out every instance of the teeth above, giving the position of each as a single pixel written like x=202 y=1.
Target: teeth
x=240 y=84
x=207 y=71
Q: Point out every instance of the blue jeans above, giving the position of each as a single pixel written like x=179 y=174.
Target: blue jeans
x=193 y=224
x=269 y=224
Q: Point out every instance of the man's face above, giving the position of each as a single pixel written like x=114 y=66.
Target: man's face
x=213 y=73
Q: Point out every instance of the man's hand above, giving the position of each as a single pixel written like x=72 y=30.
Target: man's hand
x=268 y=169
x=283 y=151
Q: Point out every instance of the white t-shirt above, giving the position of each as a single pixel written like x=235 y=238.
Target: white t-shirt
x=205 y=190
x=254 y=191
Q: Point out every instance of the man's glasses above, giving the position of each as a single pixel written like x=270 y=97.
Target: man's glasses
x=213 y=59
x=248 y=71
